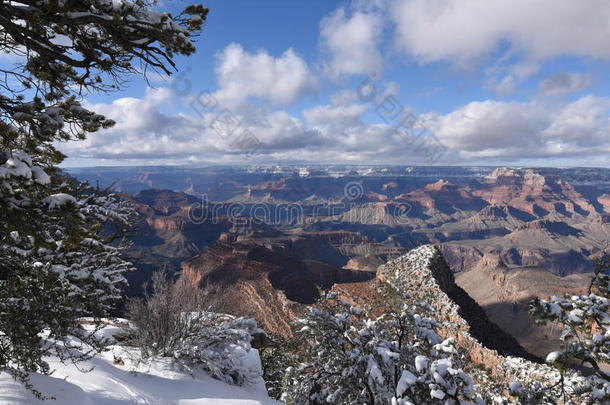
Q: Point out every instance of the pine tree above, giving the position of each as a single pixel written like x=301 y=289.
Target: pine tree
x=585 y=335
x=60 y=241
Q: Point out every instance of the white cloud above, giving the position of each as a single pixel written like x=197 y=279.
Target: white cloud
x=564 y=83
x=514 y=130
x=146 y=131
x=351 y=38
x=334 y=114
x=482 y=132
x=142 y=131
x=584 y=123
x=512 y=38
x=490 y=125
x=280 y=80
x=463 y=31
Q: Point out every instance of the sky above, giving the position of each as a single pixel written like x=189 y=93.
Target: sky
x=406 y=82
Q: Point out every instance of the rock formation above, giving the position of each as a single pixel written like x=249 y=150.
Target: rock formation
x=423 y=274
x=247 y=279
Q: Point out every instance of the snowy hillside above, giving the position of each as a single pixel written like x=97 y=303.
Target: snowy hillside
x=108 y=383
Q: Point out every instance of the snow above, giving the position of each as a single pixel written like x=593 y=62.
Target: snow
x=437 y=394
x=20 y=165
x=441 y=366
x=555 y=308
x=421 y=363
x=58 y=200
x=575 y=316
x=553 y=357
x=113 y=385
x=407 y=379
x=159 y=382
x=40 y=176
x=17 y=165
x=447 y=346
x=374 y=372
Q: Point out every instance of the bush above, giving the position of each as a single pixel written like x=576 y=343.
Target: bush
x=171 y=322
x=277 y=354
x=394 y=359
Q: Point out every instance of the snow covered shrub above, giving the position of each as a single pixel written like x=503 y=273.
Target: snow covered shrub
x=585 y=336
x=396 y=358
x=171 y=322
x=159 y=324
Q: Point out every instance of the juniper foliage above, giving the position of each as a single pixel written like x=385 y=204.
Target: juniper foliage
x=60 y=242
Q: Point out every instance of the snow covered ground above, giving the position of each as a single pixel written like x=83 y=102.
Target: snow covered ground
x=159 y=382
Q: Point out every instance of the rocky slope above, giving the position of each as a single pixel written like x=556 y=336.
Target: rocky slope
x=532 y=192
x=264 y=282
x=527 y=217
x=505 y=294
x=423 y=274
x=604 y=200
x=245 y=279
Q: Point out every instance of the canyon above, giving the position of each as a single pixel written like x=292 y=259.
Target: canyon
x=264 y=240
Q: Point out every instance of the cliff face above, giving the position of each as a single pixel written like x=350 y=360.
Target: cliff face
x=164 y=202
x=605 y=201
x=247 y=279
x=532 y=192
x=533 y=218
x=264 y=282
x=505 y=295
x=466 y=258
x=234 y=284
x=423 y=274
x=250 y=280
x=444 y=197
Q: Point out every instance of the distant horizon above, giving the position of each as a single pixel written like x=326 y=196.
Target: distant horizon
x=201 y=165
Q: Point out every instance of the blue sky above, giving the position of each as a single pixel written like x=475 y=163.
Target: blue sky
x=497 y=82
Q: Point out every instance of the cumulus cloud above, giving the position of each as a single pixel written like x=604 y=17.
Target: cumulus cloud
x=351 y=38
x=147 y=130
x=143 y=130
x=280 y=80
x=564 y=83
x=335 y=114
x=520 y=130
x=150 y=129
x=463 y=31
x=583 y=123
